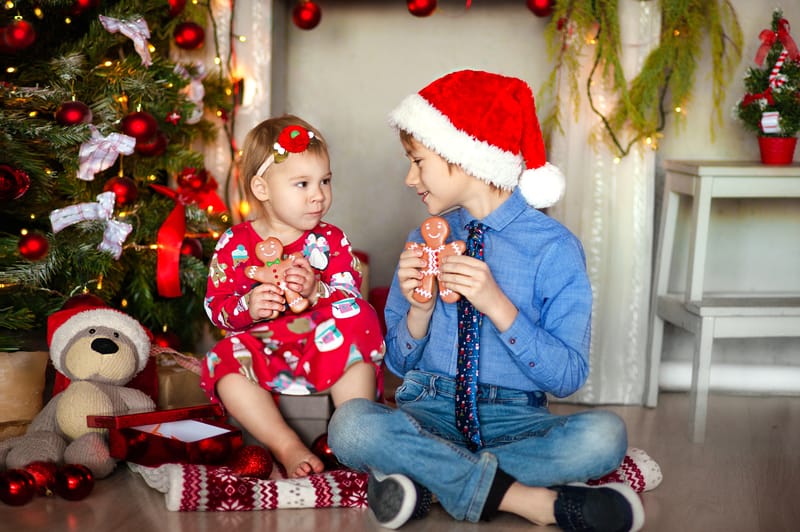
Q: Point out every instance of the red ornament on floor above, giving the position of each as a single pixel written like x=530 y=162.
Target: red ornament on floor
x=421 y=8
x=33 y=246
x=17 y=487
x=74 y=482
x=44 y=476
x=541 y=8
x=306 y=15
x=323 y=451
x=252 y=461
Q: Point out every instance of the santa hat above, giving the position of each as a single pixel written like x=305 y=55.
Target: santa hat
x=486 y=124
x=63 y=325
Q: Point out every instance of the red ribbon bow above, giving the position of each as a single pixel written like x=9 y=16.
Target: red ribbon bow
x=768 y=38
x=205 y=197
x=750 y=98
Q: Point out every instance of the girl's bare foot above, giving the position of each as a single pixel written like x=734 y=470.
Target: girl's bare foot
x=299 y=461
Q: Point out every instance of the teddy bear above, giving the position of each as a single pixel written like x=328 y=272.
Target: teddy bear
x=270 y=252
x=99 y=350
x=435 y=231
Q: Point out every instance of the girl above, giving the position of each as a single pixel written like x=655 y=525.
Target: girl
x=336 y=343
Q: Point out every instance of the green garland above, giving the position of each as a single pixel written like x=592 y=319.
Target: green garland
x=667 y=76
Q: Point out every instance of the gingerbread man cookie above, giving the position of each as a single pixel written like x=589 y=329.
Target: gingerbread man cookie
x=435 y=231
x=270 y=252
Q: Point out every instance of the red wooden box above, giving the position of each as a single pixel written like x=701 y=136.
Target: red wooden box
x=192 y=435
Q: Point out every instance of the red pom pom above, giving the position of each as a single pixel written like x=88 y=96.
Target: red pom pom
x=189 y=35
x=74 y=482
x=124 y=189
x=33 y=246
x=252 y=461
x=17 y=487
x=421 y=8
x=306 y=15
x=44 y=475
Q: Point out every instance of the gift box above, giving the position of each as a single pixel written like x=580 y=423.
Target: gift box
x=178 y=388
x=22 y=384
x=192 y=435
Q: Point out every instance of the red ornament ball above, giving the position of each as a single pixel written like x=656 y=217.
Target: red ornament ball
x=17 y=487
x=323 y=451
x=252 y=461
x=81 y=6
x=175 y=7
x=189 y=35
x=140 y=125
x=124 y=189
x=19 y=35
x=541 y=8
x=44 y=476
x=421 y=8
x=74 y=482
x=167 y=339
x=14 y=183
x=306 y=15
x=33 y=246
x=152 y=147
x=193 y=247
x=193 y=179
x=83 y=300
x=73 y=113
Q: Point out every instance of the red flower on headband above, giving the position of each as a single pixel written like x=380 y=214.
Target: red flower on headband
x=293 y=139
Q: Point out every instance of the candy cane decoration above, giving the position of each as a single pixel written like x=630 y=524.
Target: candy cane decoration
x=774 y=80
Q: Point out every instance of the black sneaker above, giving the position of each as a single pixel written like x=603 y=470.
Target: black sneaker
x=395 y=499
x=607 y=508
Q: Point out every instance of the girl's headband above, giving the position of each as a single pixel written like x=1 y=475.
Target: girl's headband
x=293 y=139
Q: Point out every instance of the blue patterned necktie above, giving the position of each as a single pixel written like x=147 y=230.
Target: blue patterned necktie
x=469 y=345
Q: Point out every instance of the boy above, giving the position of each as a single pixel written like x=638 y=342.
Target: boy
x=484 y=441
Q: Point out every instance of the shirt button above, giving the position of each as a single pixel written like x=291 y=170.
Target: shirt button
x=532 y=364
x=512 y=341
x=408 y=346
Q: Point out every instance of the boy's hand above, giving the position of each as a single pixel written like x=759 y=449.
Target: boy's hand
x=300 y=277
x=409 y=274
x=265 y=302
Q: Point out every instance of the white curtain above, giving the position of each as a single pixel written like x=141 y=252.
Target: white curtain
x=609 y=205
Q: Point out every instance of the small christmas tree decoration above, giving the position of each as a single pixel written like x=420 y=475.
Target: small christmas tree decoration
x=306 y=15
x=74 y=482
x=140 y=125
x=192 y=178
x=82 y=6
x=33 y=246
x=19 y=35
x=193 y=247
x=17 y=487
x=176 y=7
x=152 y=147
x=421 y=8
x=124 y=188
x=189 y=35
x=541 y=8
x=73 y=113
x=14 y=183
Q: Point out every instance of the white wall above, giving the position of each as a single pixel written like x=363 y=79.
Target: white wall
x=366 y=55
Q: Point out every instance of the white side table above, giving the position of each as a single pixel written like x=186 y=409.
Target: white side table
x=709 y=317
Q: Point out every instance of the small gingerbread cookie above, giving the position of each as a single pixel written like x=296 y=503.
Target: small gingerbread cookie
x=435 y=231
x=270 y=252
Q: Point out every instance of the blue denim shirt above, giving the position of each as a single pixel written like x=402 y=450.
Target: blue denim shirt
x=540 y=266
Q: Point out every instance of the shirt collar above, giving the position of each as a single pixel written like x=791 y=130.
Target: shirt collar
x=499 y=218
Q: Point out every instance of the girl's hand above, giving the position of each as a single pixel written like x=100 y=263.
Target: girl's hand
x=265 y=302
x=409 y=274
x=300 y=277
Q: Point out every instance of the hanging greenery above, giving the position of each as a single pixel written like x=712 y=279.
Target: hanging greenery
x=667 y=76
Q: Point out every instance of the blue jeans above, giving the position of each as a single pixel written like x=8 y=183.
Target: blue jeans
x=419 y=439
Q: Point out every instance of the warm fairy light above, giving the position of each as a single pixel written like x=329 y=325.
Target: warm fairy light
x=100 y=282
x=123 y=303
x=48 y=171
x=676 y=33
x=152 y=177
x=33 y=114
x=9 y=4
x=648 y=140
x=67 y=20
x=242 y=38
x=107 y=63
x=217 y=60
x=153 y=246
x=38 y=12
x=617 y=160
x=678 y=109
x=123 y=99
x=23 y=231
x=151 y=48
x=218 y=113
x=224 y=217
x=228 y=91
x=244 y=208
x=32 y=216
x=215 y=234
x=164 y=328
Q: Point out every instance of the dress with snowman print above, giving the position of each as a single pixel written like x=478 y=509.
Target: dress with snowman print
x=294 y=354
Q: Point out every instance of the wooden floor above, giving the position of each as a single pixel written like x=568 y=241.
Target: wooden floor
x=745 y=477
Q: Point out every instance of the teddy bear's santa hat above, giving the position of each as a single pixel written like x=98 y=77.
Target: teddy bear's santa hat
x=65 y=324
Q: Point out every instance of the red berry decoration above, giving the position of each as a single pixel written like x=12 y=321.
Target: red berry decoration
x=44 y=476
x=14 y=183
x=541 y=8
x=176 y=7
x=73 y=113
x=189 y=35
x=323 y=451
x=193 y=179
x=17 y=487
x=152 y=147
x=19 y=35
x=33 y=246
x=140 y=125
x=306 y=15
x=421 y=8
x=252 y=461
x=193 y=247
x=124 y=189
x=74 y=482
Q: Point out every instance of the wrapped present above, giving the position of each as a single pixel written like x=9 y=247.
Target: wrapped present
x=192 y=435
x=179 y=380
x=22 y=384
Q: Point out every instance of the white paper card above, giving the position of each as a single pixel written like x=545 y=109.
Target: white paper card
x=187 y=430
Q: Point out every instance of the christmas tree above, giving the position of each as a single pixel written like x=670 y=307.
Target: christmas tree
x=103 y=192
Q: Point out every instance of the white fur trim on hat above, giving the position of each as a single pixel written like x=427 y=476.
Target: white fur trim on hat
x=105 y=317
x=435 y=131
x=542 y=187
